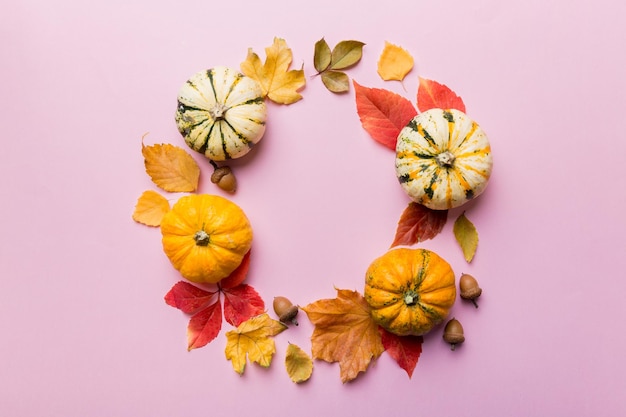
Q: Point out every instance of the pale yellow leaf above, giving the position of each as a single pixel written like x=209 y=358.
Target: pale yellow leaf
x=150 y=208
x=394 y=62
x=299 y=365
x=467 y=236
x=278 y=82
x=171 y=168
x=252 y=340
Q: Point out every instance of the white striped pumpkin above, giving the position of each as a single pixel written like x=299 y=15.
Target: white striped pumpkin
x=221 y=113
x=443 y=159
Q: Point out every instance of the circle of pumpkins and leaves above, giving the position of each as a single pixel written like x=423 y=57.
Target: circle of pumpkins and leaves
x=443 y=159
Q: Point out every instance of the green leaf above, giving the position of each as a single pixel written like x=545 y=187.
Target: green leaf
x=346 y=54
x=466 y=235
x=321 y=56
x=336 y=81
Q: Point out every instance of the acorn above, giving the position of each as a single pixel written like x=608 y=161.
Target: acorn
x=224 y=178
x=453 y=333
x=285 y=310
x=469 y=288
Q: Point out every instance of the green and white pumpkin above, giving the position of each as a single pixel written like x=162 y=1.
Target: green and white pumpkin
x=443 y=159
x=221 y=113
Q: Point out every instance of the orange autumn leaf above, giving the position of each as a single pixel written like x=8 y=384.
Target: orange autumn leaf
x=383 y=113
x=418 y=223
x=171 y=168
x=394 y=63
x=278 y=82
x=344 y=332
x=150 y=208
x=432 y=95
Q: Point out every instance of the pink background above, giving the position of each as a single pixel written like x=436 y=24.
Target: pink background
x=84 y=328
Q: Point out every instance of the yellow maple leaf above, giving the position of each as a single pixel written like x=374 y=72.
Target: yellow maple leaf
x=345 y=333
x=150 y=208
x=252 y=339
x=299 y=365
x=278 y=82
x=394 y=63
x=171 y=168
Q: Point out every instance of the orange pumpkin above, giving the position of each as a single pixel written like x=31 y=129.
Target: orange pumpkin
x=409 y=290
x=205 y=237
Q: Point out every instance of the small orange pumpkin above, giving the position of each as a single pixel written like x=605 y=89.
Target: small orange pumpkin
x=409 y=290
x=205 y=237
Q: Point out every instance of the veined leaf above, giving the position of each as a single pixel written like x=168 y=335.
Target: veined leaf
x=467 y=236
x=321 y=56
x=346 y=54
x=394 y=63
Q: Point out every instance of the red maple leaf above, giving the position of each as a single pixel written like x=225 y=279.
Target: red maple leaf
x=405 y=350
x=433 y=95
x=418 y=223
x=241 y=302
x=383 y=113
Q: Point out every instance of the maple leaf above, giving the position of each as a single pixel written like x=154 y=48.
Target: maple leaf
x=278 y=82
x=405 y=350
x=466 y=235
x=253 y=339
x=299 y=365
x=150 y=208
x=345 y=333
x=171 y=168
x=433 y=95
x=394 y=62
x=383 y=114
x=418 y=223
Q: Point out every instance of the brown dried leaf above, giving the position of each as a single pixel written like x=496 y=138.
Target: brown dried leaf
x=150 y=208
x=345 y=54
x=345 y=333
x=321 y=56
x=171 y=168
x=336 y=81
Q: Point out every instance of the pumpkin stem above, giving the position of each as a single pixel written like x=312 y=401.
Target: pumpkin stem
x=445 y=159
x=202 y=238
x=218 y=111
x=410 y=297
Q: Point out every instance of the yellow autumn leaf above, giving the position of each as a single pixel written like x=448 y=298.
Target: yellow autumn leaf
x=150 y=208
x=171 y=168
x=299 y=365
x=466 y=235
x=394 y=62
x=252 y=339
x=278 y=82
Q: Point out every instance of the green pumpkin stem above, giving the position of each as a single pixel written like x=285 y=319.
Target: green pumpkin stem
x=410 y=297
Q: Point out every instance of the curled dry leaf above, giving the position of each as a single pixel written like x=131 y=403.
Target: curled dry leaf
x=345 y=333
x=253 y=339
x=419 y=223
x=383 y=113
x=394 y=63
x=150 y=208
x=171 y=168
x=433 y=95
x=298 y=363
x=278 y=82
x=466 y=235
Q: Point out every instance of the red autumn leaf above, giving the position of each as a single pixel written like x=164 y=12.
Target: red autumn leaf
x=238 y=275
x=405 y=350
x=187 y=297
x=432 y=95
x=204 y=326
x=241 y=303
x=383 y=113
x=418 y=223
